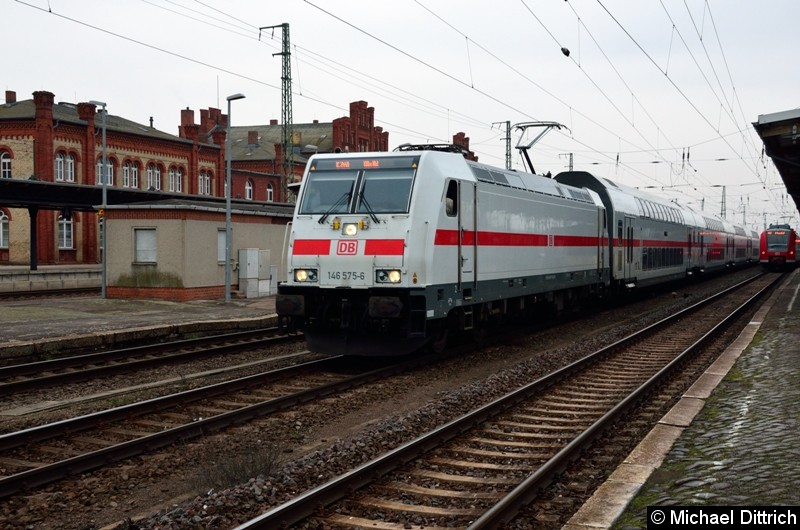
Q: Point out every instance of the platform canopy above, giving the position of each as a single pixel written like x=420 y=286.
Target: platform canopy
x=780 y=133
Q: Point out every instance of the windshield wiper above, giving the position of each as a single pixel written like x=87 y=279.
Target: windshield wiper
x=369 y=209
x=345 y=197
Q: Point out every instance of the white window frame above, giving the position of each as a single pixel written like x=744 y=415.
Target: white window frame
x=248 y=190
x=175 y=180
x=130 y=175
x=69 y=168
x=4 y=223
x=221 y=245
x=153 y=177
x=5 y=165
x=270 y=193
x=145 y=243
x=65 y=234
x=204 y=183
x=59 y=167
x=109 y=172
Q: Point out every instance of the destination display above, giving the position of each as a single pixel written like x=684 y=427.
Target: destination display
x=395 y=162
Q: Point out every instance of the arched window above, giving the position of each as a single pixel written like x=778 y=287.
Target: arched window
x=270 y=193
x=153 y=177
x=175 y=180
x=69 y=168
x=248 y=190
x=109 y=172
x=3 y=229
x=130 y=175
x=59 y=167
x=65 y=232
x=204 y=183
x=5 y=165
x=65 y=167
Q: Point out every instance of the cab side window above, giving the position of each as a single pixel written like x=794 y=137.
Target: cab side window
x=451 y=199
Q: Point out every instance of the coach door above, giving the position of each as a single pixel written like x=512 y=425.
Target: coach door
x=467 y=239
x=630 y=270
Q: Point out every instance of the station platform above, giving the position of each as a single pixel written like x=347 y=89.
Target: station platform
x=19 y=278
x=732 y=440
x=56 y=326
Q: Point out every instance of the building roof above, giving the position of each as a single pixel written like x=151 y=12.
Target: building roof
x=308 y=138
x=68 y=113
x=780 y=132
x=270 y=209
x=18 y=193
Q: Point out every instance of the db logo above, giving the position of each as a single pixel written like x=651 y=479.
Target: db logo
x=346 y=248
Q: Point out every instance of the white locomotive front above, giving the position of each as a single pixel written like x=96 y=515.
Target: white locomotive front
x=391 y=250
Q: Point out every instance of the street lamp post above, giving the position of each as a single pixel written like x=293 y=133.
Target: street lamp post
x=104 y=183
x=228 y=200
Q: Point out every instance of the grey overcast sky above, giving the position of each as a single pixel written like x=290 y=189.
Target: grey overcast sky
x=656 y=93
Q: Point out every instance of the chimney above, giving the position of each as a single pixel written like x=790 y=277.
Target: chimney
x=252 y=137
x=187 y=116
x=11 y=96
x=273 y=122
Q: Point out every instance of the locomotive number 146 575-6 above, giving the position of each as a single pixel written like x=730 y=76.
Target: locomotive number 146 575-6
x=346 y=275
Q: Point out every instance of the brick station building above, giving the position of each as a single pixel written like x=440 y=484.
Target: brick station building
x=61 y=143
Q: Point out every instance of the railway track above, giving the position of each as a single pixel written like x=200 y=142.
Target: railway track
x=42 y=374
x=49 y=293
x=48 y=453
x=479 y=470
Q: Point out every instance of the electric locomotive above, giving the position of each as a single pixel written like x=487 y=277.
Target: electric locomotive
x=778 y=247
x=389 y=251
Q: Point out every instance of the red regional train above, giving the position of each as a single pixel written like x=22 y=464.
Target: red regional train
x=392 y=251
x=778 y=247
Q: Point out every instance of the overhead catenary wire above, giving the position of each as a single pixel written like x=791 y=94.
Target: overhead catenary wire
x=449 y=110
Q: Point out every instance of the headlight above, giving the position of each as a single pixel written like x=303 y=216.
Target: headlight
x=388 y=276
x=350 y=229
x=305 y=275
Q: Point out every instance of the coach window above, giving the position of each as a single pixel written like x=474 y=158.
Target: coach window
x=144 y=243
x=451 y=199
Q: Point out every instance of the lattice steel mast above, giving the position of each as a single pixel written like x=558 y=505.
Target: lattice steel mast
x=286 y=111
x=507 y=140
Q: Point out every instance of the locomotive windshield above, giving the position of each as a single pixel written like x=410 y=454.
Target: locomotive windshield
x=328 y=192
x=359 y=185
x=385 y=191
x=777 y=241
